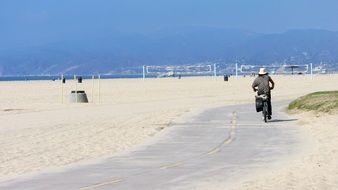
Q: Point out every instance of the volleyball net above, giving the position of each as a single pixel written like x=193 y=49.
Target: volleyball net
x=177 y=70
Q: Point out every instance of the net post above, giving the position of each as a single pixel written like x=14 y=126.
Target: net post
x=93 y=77
x=236 y=70
x=99 y=87
x=144 y=72
x=62 y=90
x=75 y=88
x=311 y=68
x=215 y=71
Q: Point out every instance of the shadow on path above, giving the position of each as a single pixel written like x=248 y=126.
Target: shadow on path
x=282 y=120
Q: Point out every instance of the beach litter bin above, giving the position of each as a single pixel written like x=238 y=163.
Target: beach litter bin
x=63 y=80
x=79 y=79
x=226 y=78
x=79 y=96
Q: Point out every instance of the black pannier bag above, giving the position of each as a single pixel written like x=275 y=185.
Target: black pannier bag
x=259 y=104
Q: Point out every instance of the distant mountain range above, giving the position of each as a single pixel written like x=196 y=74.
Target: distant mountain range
x=125 y=53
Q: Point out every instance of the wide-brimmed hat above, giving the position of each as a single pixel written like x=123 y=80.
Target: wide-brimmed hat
x=262 y=71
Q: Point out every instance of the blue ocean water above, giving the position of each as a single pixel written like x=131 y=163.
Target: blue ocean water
x=71 y=77
x=67 y=77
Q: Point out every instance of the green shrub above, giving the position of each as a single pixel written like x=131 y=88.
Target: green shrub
x=325 y=101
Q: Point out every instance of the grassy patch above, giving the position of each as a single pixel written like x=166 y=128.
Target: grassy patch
x=326 y=101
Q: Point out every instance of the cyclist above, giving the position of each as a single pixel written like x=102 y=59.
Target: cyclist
x=262 y=85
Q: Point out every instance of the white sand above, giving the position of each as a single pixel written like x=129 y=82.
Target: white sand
x=38 y=132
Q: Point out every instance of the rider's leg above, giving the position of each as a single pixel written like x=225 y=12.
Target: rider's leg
x=269 y=106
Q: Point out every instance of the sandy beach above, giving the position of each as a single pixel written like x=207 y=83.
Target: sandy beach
x=38 y=131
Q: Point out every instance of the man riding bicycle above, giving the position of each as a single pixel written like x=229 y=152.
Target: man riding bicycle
x=262 y=85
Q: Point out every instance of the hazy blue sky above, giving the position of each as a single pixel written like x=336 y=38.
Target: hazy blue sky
x=35 y=22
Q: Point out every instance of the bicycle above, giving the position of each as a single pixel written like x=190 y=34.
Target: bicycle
x=262 y=105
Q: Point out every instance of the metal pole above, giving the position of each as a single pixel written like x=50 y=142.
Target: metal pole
x=144 y=72
x=236 y=70
x=93 y=88
x=215 y=72
x=75 y=88
x=99 y=88
x=311 y=67
x=62 y=89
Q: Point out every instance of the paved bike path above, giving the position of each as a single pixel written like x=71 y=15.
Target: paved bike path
x=225 y=144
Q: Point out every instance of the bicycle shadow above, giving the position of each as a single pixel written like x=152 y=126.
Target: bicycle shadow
x=281 y=120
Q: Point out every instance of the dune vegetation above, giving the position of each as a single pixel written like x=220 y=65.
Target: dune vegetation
x=325 y=101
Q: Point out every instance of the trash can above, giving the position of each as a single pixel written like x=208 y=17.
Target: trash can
x=63 y=80
x=79 y=96
x=79 y=79
x=226 y=78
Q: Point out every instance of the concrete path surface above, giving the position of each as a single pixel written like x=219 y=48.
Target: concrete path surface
x=222 y=144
